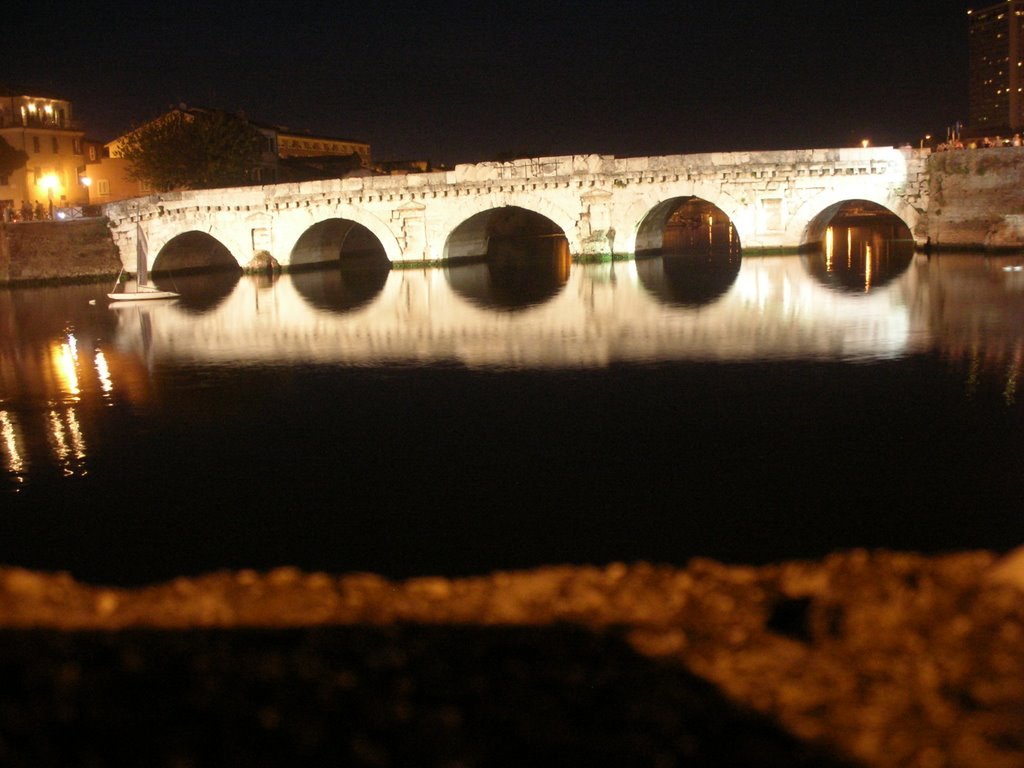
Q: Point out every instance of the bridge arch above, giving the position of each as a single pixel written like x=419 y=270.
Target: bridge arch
x=810 y=220
x=662 y=225
x=507 y=259
x=484 y=204
x=857 y=245
x=295 y=224
x=641 y=213
x=192 y=251
x=332 y=240
x=687 y=252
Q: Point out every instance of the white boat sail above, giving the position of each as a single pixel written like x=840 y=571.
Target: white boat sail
x=143 y=290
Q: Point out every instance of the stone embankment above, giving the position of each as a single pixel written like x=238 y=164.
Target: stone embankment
x=57 y=250
x=874 y=659
x=976 y=199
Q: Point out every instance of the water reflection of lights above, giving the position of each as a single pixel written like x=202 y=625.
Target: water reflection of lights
x=67 y=442
x=867 y=268
x=11 y=437
x=65 y=364
x=106 y=384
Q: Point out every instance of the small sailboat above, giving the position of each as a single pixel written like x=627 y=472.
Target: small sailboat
x=143 y=290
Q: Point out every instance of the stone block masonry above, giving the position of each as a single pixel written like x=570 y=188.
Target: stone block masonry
x=976 y=199
x=56 y=251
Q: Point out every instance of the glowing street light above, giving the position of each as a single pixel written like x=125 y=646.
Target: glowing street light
x=927 y=137
x=49 y=182
x=864 y=143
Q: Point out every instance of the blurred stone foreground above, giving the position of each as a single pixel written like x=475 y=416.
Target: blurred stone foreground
x=862 y=659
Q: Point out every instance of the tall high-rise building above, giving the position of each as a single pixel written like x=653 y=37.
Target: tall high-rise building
x=996 y=62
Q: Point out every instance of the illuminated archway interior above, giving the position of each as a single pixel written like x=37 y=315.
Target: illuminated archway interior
x=687 y=252
x=686 y=225
x=857 y=245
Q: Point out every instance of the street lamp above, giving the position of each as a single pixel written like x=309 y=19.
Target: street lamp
x=49 y=182
x=927 y=137
x=864 y=143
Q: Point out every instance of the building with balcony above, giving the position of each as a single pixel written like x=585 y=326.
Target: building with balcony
x=996 y=67
x=43 y=128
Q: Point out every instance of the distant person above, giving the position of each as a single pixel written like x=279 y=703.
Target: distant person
x=26 y=211
x=40 y=212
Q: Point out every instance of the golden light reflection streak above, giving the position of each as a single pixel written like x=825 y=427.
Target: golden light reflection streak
x=830 y=245
x=106 y=384
x=849 y=248
x=75 y=431
x=68 y=442
x=65 y=358
x=9 y=436
x=867 y=268
x=60 y=445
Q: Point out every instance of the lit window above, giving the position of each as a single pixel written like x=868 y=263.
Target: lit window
x=103 y=187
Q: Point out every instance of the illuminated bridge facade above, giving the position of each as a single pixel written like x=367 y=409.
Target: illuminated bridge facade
x=600 y=204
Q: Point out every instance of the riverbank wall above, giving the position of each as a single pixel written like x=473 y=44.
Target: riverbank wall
x=55 y=251
x=976 y=199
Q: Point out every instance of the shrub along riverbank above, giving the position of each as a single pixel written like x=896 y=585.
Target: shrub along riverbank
x=879 y=659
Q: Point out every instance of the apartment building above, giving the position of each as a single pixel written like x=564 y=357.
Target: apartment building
x=43 y=128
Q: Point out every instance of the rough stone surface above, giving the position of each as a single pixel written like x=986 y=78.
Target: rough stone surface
x=977 y=198
x=598 y=201
x=262 y=261
x=57 y=250
x=865 y=658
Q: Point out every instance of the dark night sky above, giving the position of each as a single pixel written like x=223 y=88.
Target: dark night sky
x=460 y=82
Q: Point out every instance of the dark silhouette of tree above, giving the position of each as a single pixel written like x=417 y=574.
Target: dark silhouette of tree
x=11 y=159
x=197 y=149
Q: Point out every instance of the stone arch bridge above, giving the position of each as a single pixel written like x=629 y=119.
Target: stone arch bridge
x=602 y=204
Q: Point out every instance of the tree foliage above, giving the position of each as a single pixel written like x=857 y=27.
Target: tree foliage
x=193 y=150
x=11 y=159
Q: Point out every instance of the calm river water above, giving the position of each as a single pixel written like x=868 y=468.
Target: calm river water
x=489 y=417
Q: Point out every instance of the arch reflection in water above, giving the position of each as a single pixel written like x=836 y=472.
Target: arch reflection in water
x=507 y=259
x=339 y=265
x=351 y=282
x=688 y=252
x=200 y=292
x=860 y=246
x=197 y=267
